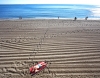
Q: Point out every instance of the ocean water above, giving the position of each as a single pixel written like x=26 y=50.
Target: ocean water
x=48 y=11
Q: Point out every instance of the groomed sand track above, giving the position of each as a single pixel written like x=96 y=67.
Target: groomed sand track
x=71 y=48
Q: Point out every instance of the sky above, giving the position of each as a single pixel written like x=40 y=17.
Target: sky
x=91 y=2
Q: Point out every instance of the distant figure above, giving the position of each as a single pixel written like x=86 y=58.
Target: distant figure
x=20 y=17
x=75 y=18
x=86 y=18
x=58 y=17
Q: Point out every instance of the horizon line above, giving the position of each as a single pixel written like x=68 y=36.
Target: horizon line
x=46 y=4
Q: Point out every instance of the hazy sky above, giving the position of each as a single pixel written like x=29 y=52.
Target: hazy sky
x=95 y=2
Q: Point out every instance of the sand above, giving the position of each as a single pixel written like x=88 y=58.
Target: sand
x=71 y=48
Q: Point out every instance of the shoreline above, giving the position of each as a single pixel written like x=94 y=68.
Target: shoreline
x=50 y=19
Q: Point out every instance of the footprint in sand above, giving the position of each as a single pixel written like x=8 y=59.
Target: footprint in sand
x=18 y=71
x=7 y=76
x=4 y=69
x=11 y=70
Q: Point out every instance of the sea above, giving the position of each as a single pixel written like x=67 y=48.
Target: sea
x=14 y=11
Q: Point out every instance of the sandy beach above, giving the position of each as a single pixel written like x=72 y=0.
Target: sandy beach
x=71 y=48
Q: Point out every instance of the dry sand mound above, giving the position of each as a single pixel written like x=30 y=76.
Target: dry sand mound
x=72 y=48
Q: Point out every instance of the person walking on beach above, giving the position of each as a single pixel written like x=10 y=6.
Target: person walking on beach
x=86 y=18
x=75 y=18
x=20 y=17
x=58 y=17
